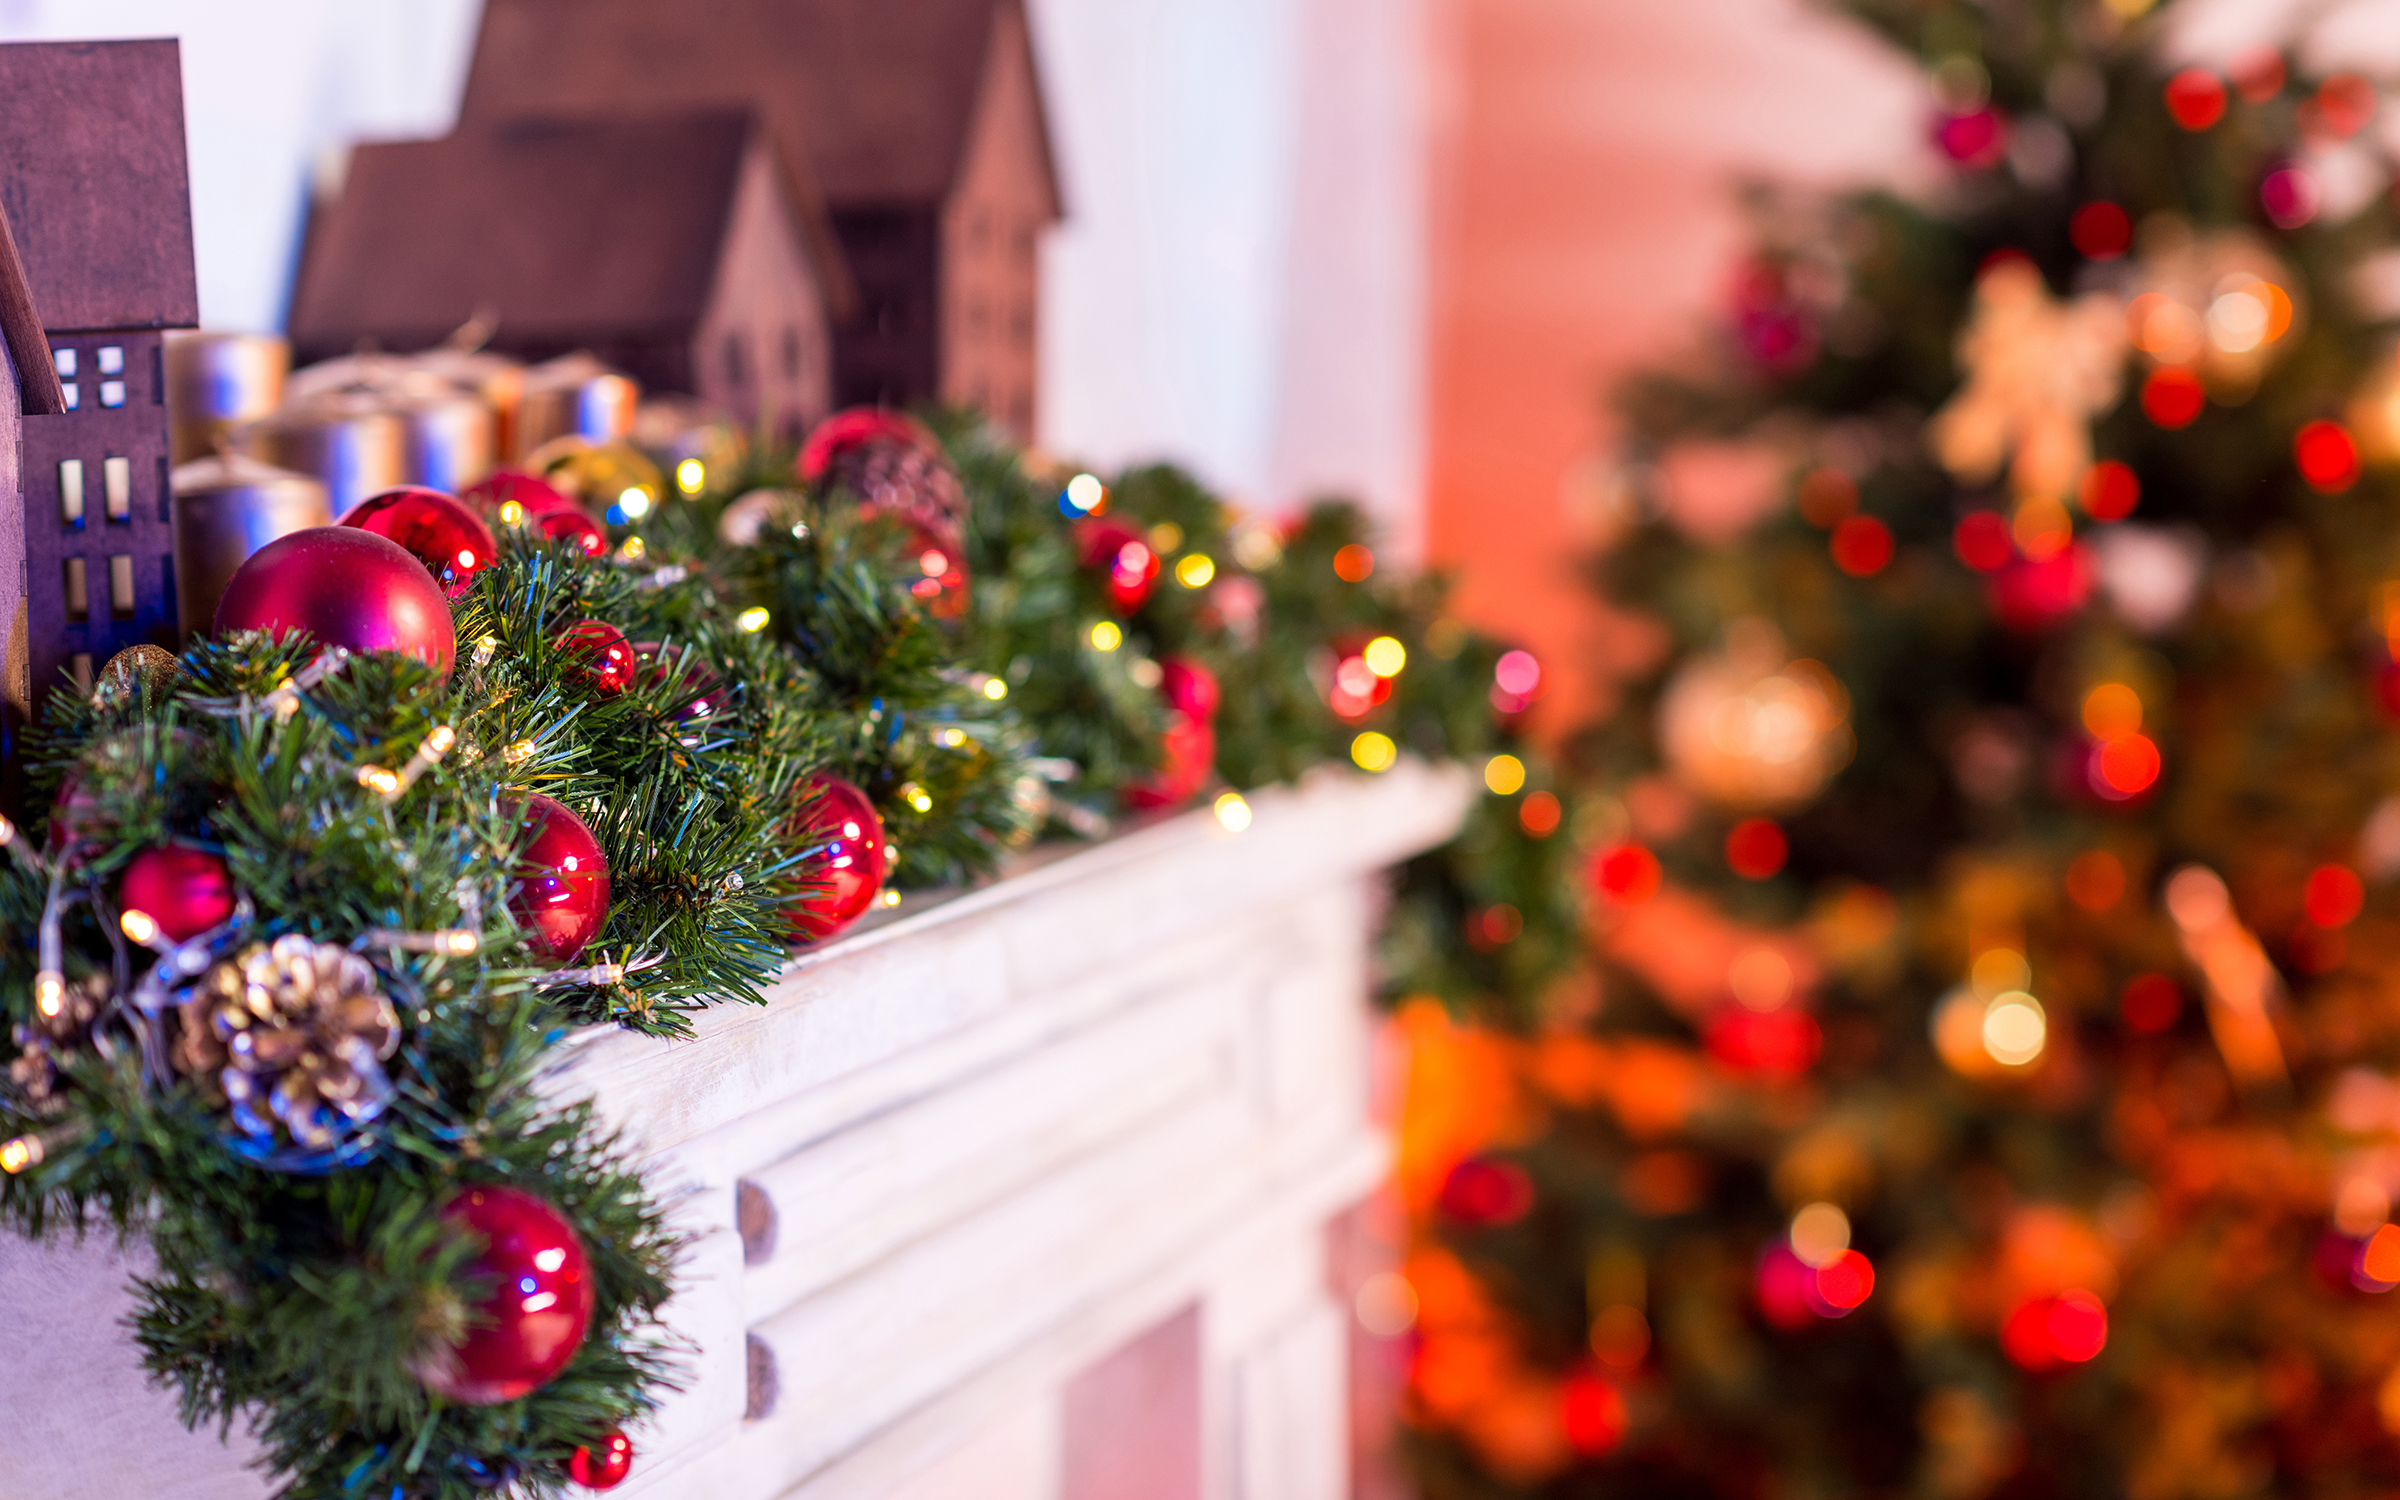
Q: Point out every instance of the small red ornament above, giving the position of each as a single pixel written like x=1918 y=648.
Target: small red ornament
x=345 y=587
x=893 y=466
x=602 y=1465
x=846 y=857
x=1132 y=567
x=186 y=891
x=839 y=435
x=437 y=530
x=1189 y=687
x=537 y=1311
x=1187 y=759
x=561 y=896
x=603 y=660
x=496 y=492
x=570 y=524
x=699 y=690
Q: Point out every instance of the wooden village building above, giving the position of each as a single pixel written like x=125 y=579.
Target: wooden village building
x=920 y=122
x=95 y=266
x=678 y=248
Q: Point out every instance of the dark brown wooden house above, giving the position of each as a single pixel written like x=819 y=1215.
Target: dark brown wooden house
x=674 y=247
x=95 y=266
x=920 y=120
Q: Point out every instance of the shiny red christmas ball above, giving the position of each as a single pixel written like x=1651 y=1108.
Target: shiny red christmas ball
x=436 y=529
x=699 y=691
x=186 y=891
x=569 y=523
x=603 y=660
x=537 y=1310
x=345 y=587
x=561 y=896
x=497 y=491
x=602 y=1465
x=1188 y=758
x=1189 y=687
x=838 y=435
x=845 y=861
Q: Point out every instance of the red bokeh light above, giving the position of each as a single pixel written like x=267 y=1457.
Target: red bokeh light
x=1591 y=1412
x=1982 y=541
x=2258 y=74
x=2151 y=1003
x=2101 y=231
x=1626 y=874
x=1755 y=848
x=1840 y=1285
x=1781 y=1282
x=1353 y=564
x=1975 y=139
x=2334 y=896
x=2289 y=195
x=1776 y=1043
x=1487 y=1193
x=2124 y=767
x=1862 y=546
x=2196 y=98
x=2046 y=1332
x=1539 y=814
x=2172 y=397
x=2327 y=457
x=2109 y=491
x=2343 y=105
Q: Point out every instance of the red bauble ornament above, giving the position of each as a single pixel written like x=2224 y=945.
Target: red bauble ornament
x=437 y=530
x=1187 y=759
x=562 y=884
x=602 y=1465
x=538 y=1309
x=699 y=689
x=1132 y=567
x=892 y=465
x=186 y=891
x=604 y=660
x=496 y=492
x=568 y=523
x=345 y=587
x=839 y=435
x=1189 y=687
x=847 y=857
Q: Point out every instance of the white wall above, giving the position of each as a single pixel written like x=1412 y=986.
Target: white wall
x=1237 y=287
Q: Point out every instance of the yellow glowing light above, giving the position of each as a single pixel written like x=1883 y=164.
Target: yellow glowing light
x=138 y=925
x=753 y=619
x=519 y=752
x=8 y=832
x=50 y=992
x=511 y=512
x=1997 y=970
x=1504 y=774
x=951 y=738
x=691 y=476
x=438 y=741
x=541 y=1302
x=460 y=941
x=994 y=689
x=1374 y=752
x=632 y=550
x=1761 y=979
x=1085 y=492
x=1233 y=812
x=1165 y=537
x=1106 y=636
x=1820 y=1233
x=1256 y=547
x=891 y=898
x=20 y=1155
x=2014 y=1029
x=2112 y=710
x=379 y=779
x=634 y=501
x=1195 y=571
x=1385 y=656
x=916 y=797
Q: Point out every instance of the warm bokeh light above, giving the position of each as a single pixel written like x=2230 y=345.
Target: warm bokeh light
x=2196 y=98
x=2334 y=896
x=138 y=925
x=1374 y=752
x=691 y=476
x=1827 y=497
x=1385 y=656
x=1082 y=495
x=1232 y=811
x=1626 y=874
x=2110 y=491
x=1385 y=1305
x=1820 y=1233
x=2327 y=457
x=2112 y=709
x=1105 y=636
x=1195 y=571
x=752 y=619
x=1504 y=774
x=2096 y=881
x=2014 y=1029
x=634 y=501
x=1539 y=814
x=1982 y=541
x=2150 y=1003
x=1760 y=979
x=2172 y=397
x=1862 y=546
x=1755 y=848
x=2101 y=230
x=1353 y=564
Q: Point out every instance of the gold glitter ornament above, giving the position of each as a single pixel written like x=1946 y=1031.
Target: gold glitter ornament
x=135 y=672
x=47 y=1040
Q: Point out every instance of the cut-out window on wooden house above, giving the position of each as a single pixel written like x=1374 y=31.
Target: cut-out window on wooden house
x=65 y=360
x=79 y=591
x=120 y=586
x=70 y=491
x=111 y=359
x=112 y=393
x=116 y=480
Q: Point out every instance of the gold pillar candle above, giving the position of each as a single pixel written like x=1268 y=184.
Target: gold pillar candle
x=216 y=381
x=450 y=440
x=350 y=443
x=575 y=396
x=227 y=507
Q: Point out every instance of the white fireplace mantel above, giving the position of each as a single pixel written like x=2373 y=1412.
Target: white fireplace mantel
x=1020 y=1194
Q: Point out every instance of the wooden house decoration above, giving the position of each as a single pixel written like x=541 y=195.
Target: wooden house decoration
x=675 y=248
x=921 y=121
x=95 y=266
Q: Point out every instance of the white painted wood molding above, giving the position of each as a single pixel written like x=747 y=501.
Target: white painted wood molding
x=958 y=1160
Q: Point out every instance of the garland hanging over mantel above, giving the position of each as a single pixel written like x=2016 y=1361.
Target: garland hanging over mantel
x=309 y=906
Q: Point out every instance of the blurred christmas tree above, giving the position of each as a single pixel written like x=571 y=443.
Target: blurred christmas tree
x=1990 y=1088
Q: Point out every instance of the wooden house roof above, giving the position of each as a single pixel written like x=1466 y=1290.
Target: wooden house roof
x=39 y=393
x=556 y=230
x=878 y=96
x=94 y=181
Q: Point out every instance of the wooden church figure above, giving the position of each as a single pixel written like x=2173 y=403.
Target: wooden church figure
x=921 y=121
x=97 y=265
x=675 y=248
